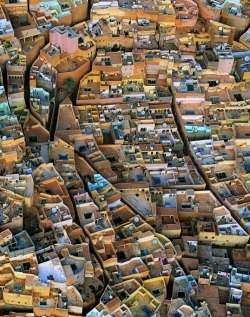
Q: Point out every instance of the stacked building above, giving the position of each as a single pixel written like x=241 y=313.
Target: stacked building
x=124 y=158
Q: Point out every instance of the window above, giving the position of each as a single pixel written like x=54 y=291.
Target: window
x=87 y=89
x=213 y=83
x=181 y=294
x=117 y=220
x=168 y=220
x=182 y=179
x=87 y=215
x=17 y=287
x=63 y=156
x=156 y=292
x=144 y=252
x=215 y=100
x=233 y=192
x=238 y=97
x=190 y=87
x=151 y=81
x=33 y=138
x=121 y=256
x=189 y=112
x=221 y=175
x=26 y=266
x=186 y=205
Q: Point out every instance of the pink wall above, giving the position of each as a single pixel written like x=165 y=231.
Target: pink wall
x=67 y=44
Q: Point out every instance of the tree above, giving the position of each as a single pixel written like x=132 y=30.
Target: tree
x=69 y=85
x=115 y=48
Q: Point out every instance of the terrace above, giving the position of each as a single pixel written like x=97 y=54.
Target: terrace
x=212 y=152
x=196 y=201
x=17 y=287
x=38 y=154
x=187 y=86
x=12 y=132
x=130 y=154
x=58 y=215
x=234 y=8
x=184 y=287
x=20 y=244
x=230 y=188
x=226 y=224
x=146 y=41
x=175 y=177
x=123 y=215
x=45 y=172
x=51 y=270
x=19 y=184
x=134 y=267
x=87 y=114
x=51 y=50
x=142 y=303
x=99 y=225
x=70 y=65
x=149 y=245
x=139 y=200
x=10 y=211
x=135 y=175
x=127 y=59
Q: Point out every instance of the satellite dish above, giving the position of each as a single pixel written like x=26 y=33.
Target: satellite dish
x=143 y=113
x=164 y=125
x=136 y=219
x=4 y=137
x=131 y=228
x=220 y=28
x=154 y=241
x=54 y=210
x=247 y=58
